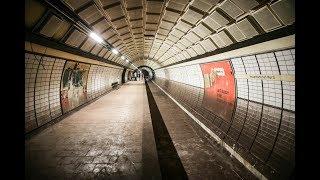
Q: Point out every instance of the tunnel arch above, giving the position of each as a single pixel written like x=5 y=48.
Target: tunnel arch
x=147 y=71
x=255 y=38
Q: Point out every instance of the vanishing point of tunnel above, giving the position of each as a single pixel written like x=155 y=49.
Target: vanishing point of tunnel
x=159 y=89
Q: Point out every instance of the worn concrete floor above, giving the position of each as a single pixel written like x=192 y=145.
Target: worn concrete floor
x=114 y=138
x=104 y=140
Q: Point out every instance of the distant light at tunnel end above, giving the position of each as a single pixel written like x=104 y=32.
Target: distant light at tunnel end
x=96 y=37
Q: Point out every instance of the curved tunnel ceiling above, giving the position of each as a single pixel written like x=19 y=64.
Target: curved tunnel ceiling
x=159 y=33
x=150 y=63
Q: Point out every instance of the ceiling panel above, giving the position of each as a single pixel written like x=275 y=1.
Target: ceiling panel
x=76 y=38
x=90 y=14
x=231 y=9
x=192 y=16
x=247 y=28
x=285 y=9
x=51 y=26
x=236 y=32
x=75 y=4
x=266 y=19
x=170 y=30
x=202 y=31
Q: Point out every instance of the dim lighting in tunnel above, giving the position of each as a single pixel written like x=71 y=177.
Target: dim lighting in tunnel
x=115 y=51
x=122 y=57
x=96 y=37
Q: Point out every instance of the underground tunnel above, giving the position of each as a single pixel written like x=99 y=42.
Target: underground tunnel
x=159 y=89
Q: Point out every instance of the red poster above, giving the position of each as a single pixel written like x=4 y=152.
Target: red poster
x=219 y=88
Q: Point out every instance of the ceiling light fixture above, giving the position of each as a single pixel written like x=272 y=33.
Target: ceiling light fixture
x=96 y=37
x=115 y=51
x=122 y=57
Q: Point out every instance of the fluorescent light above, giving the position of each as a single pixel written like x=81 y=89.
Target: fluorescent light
x=122 y=57
x=96 y=37
x=115 y=51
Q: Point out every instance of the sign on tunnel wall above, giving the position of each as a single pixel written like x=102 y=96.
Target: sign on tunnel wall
x=219 y=88
x=74 y=85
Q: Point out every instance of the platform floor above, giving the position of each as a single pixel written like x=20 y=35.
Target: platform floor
x=116 y=138
x=104 y=139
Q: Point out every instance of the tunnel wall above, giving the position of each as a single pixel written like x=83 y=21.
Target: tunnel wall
x=56 y=86
x=258 y=119
x=128 y=75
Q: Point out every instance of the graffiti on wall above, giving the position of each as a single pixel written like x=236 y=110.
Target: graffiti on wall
x=219 y=88
x=74 y=85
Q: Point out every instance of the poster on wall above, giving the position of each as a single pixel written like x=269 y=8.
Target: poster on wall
x=219 y=88
x=74 y=85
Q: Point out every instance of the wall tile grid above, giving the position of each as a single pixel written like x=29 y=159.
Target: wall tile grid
x=54 y=95
x=98 y=82
x=263 y=122
x=31 y=66
x=42 y=105
x=42 y=87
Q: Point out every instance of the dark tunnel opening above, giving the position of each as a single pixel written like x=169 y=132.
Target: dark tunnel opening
x=148 y=72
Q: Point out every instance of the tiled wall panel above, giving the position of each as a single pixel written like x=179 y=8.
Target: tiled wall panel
x=54 y=94
x=284 y=150
x=191 y=75
x=31 y=68
x=255 y=90
x=238 y=119
x=288 y=95
x=251 y=125
x=42 y=105
x=42 y=87
x=100 y=79
x=263 y=123
x=91 y=82
x=267 y=132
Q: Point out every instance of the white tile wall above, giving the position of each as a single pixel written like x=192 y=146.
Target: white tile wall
x=100 y=79
x=289 y=95
x=191 y=75
x=242 y=87
x=251 y=64
x=238 y=66
x=42 y=87
x=286 y=60
x=54 y=94
x=268 y=64
x=31 y=67
x=160 y=73
x=272 y=63
x=255 y=90
x=272 y=93
x=42 y=104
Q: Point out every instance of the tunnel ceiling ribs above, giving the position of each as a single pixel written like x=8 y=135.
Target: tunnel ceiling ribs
x=158 y=33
